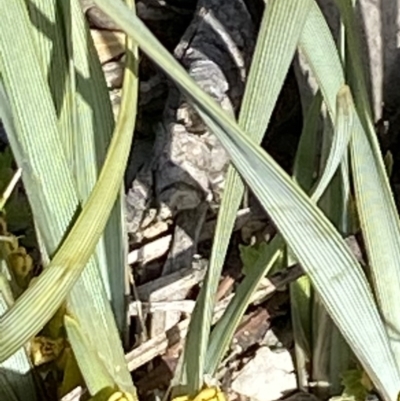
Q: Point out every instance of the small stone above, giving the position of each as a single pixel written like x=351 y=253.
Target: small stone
x=271 y=340
x=267 y=377
x=114 y=73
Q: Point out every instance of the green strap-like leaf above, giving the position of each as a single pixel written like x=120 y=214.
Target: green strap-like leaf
x=297 y=218
x=87 y=356
x=222 y=335
x=16 y=373
x=276 y=44
x=326 y=353
x=89 y=319
x=33 y=111
x=341 y=138
x=375 y=203
x=305 y=163
x=90 y=142
x=305 y=172
x=381 y=231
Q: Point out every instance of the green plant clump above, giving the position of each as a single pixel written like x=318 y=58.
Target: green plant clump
x=56 y=110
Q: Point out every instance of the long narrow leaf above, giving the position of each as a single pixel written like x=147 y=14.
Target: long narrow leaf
x=16 y=374
x=331 y=361
x=222 y=334
x=317 y=44
x=377 y=211
x=297 y=218
x=304 y=173
x=380 y=221
x=85 y=136
x=97 y=314
x=381 y=230
x=340 y=140
x=48 y=38
x=274 y=51
x=96 y=123
x=91 y=366
x=305 y=163
x=224 y=329
x=353 y=61
x=34 y=308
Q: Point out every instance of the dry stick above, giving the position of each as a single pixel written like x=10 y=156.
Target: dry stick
x=10 y=188
x=184 y=306
x=159 y=344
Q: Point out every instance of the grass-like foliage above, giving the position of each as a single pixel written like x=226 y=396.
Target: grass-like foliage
x=60 y=123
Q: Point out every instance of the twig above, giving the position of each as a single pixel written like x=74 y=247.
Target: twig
x=10 y=188
x=185 y=306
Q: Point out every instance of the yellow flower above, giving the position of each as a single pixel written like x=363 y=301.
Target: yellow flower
x=207 y=394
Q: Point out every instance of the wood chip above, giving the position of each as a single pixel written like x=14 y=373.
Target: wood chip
x=150 y=251
x=161 y=288
x=185 y=306
x=109 y=44
x=252 y=330
x=98 y=19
